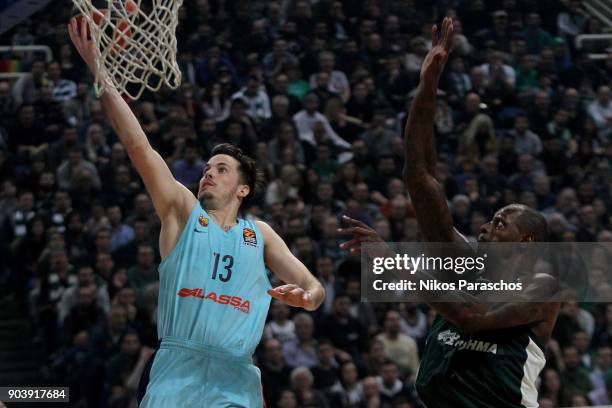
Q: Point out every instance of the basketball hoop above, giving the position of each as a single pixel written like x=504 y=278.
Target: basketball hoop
x=136 y=49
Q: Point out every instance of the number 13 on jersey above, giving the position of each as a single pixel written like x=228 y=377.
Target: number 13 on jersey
x=228 y=262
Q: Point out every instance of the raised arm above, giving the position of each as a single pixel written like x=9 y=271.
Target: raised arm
x=170 y=198
x=473 y=317
x=432 y=212
x=302 y=289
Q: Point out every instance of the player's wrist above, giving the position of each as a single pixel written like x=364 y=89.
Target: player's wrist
x=426 y=95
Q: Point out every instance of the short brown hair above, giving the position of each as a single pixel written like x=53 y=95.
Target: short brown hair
x=249 y=173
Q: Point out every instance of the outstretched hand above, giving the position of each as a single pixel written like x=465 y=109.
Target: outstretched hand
x=361 y=233
x=79 y=34
x=293 y=295
x=436 y=58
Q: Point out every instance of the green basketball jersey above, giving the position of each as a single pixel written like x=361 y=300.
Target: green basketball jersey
x=496 y=368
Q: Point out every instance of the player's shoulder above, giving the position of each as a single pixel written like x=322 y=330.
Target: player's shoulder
x=269 y=235
x=264 y=227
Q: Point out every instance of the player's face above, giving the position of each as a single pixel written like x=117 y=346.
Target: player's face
x=221 y=182
x=502 y=228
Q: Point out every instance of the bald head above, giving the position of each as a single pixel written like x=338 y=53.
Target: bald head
x=531 y=222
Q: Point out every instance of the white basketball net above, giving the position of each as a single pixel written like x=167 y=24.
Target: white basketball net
x=135 y=48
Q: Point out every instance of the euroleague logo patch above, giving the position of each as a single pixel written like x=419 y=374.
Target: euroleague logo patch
x=203 y=220
x=249 y=236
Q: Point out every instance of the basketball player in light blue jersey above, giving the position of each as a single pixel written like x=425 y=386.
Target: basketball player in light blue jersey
x=214 y=289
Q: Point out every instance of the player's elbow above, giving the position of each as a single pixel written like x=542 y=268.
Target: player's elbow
x=317 y=293
x=311 y=308
x=320 y=298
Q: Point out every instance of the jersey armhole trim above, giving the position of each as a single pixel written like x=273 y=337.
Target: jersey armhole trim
x=263 y=252
x=181 y=238
x=536 y=340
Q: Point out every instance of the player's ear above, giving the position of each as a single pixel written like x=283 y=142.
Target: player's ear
x=243 y=190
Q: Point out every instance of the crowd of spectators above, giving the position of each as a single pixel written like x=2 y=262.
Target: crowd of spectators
x=317 y=92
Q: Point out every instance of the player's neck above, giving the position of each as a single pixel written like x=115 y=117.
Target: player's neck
x=225 y=217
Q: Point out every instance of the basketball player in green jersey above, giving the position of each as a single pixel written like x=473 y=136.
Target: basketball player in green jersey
x=475 y=356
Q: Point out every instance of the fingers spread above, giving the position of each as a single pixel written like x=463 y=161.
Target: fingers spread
x=444 y=30
x=285 y=288
x=84 y=29
x=73 y=30
x=434 y=35
x=70 y=25
x=449 y=39
x=290 y=294
x=364 y=231
x=296 y=292
x=448 y=33
x=353 y=246
x=358 y=231
x=343 y=231
x=347 y=231
x=353 y=221
x=275 y=294
x=350 y=244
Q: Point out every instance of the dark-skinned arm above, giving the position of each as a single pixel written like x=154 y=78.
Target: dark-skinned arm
x=468 y=313
x=428 y=198
x=471 y=315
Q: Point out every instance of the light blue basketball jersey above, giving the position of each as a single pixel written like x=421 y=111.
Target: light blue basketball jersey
x=212 y=308
x=213 y=286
